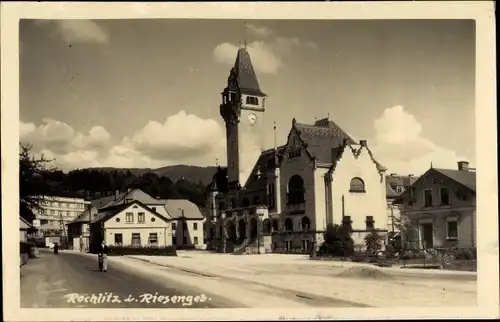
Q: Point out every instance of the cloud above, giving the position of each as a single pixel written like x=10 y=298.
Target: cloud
x=77 y=30
x=267 y=56
x=181 y=139
x=258 y=31
x=401 y=146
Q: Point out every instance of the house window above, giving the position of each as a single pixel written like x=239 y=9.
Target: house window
x=251 y=100
x=52 y=212
x=118 y=239
x=275 y=225
x=245 y=202
x=370 y=223
x=288 y=224
x=288 y=245
x=270 y=195
x=136 y=239
x=153 y=219
x=195 y=226
x=357 y=185
x=153 y=239
x=428 y=197
x=195 y=240
x=129 y=217
x=141 y=217
x=305 y=223
x=452 y=229
x=174 y=226
x=306 y=244
x=445 y=196
x=117 y=219
x=296 y=190
x=399 y=189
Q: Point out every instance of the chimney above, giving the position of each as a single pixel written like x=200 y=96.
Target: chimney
x=345 y=142
x=463 y=166
x=117 y=193
x=362 y=143
x=394 y=175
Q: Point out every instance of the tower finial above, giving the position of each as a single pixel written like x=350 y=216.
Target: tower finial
x=328 y=115
x=217 y=162
x=245 y=44
x=431 y=164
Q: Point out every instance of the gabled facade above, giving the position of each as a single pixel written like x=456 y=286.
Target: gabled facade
x=131 y=224
x=441 y=206
x=184 y=219
x=320 y=176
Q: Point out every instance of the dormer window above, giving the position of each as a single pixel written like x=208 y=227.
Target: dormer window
x=252 y=100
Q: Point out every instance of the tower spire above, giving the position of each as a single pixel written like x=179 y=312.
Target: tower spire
x=275 y=144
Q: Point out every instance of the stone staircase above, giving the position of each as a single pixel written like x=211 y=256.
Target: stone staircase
x=250 y=245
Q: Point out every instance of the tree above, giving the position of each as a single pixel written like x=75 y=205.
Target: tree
x=338 y=240
x=34 y=176
x=373 y=242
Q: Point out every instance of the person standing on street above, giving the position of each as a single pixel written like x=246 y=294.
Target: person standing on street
x=103 y=256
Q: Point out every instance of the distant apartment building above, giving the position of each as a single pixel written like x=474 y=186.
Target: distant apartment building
x=53 y=210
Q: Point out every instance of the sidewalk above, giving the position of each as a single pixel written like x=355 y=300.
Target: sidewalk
x=321 y=278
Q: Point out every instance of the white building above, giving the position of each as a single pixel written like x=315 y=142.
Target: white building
x=135 y=218
x=53 y=210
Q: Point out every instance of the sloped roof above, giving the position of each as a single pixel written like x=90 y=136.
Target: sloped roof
x=465 y=178
x=133 y=194
x=265 y=164
x=396 y=180
x=191 y=211
x=102 y=202
x=109 y=212
x=84 y=216
x=321 y=138
x=390 y=193
x=23 y=224
x=245 y=74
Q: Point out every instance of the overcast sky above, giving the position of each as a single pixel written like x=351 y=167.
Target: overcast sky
x=146 y=93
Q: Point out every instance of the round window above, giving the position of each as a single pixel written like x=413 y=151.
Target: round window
x=153 y=219
x=117 y=219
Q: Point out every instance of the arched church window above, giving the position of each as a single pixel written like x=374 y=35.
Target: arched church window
x=357 y=185
x=288 y=224
x=305 y=223
x=245 y=202
x=275 y=225
x=296 y=190
x=251 y=100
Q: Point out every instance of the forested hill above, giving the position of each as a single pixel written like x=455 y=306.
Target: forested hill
x=178 y=182
x=174 y=172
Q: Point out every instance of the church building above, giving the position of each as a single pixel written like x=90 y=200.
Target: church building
x=320 y=176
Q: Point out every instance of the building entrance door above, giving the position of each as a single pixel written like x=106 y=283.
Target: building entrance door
x=427 y=235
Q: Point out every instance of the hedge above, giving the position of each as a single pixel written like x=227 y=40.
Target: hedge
x=144 y=250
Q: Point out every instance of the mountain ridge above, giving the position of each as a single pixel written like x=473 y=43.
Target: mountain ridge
x=174 y=172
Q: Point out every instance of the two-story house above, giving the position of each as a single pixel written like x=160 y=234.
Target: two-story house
x=181 y=218
x=441 y=206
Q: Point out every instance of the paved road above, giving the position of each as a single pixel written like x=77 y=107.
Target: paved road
x=71 y=280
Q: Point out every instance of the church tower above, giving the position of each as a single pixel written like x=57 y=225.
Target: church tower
x=242 y=109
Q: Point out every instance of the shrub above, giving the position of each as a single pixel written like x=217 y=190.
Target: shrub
x=373 y=242
x=338 y=241
x=466 y=254
x=144 y=250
